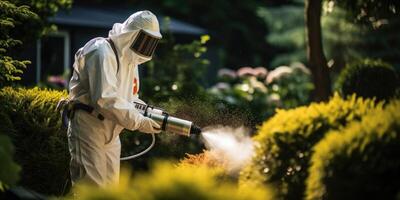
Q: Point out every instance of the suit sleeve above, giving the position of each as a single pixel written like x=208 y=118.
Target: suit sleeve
x=102 y=75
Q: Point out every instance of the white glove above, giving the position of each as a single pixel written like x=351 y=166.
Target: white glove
x=148 y=125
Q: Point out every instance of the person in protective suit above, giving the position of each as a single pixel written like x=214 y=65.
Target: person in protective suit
x=103 y=87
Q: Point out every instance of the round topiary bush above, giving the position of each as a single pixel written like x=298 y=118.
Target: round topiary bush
x=30 y=119
x=360 y=162
x=284 y=143
x=368 y=79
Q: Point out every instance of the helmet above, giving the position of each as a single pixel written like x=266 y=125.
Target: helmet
x=139 y=33
x=148 y=36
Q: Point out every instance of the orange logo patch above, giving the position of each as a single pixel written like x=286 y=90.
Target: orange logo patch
x=135 y=86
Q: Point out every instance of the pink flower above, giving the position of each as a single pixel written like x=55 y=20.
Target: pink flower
x=226 y=72
x=222 y=86
x=260 y=72
x=246 y=71
x=59 y=80
x=278 y=73
x=257 y=84
x=301 y=67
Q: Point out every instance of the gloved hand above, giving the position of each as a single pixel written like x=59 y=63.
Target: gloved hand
x=148 y=125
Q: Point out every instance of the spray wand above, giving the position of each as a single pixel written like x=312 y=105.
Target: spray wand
x=168 y=123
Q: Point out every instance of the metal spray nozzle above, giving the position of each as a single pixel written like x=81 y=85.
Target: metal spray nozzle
x=167 y=122
x=195 y=130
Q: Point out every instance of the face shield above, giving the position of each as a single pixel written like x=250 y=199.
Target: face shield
x=145 y=44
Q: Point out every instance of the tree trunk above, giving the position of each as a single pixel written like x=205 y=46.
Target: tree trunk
x=316 y=58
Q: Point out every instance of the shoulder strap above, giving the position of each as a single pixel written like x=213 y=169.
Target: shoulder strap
x=115 y=51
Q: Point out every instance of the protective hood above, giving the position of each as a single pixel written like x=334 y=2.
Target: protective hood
x=123 y=35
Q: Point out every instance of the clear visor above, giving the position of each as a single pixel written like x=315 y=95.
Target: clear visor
x=144 y=44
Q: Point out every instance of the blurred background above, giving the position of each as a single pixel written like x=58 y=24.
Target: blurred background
x=233 y=51
x=220 y=62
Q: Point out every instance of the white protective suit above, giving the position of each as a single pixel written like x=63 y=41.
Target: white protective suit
x=97 y=81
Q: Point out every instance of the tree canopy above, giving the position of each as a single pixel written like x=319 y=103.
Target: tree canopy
x=22 y=21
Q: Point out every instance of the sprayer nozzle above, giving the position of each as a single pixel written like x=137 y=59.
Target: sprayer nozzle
x=195 y=130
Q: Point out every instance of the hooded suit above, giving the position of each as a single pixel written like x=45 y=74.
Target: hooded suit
x=110 y=89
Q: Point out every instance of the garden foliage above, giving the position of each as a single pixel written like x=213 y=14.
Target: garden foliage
x=368 y=78
x=22 y=21
x=166 y=181
x=34 y=126
x=360 y=161
x=344 y=38
x=286 y=32
x=257 y=92
x=176 y=71
x=11 y=18
x=285 y=142
x=9 y=170
x=369 y=11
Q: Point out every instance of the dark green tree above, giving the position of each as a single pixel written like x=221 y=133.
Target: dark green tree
x=370 y=11
x=22 y=21
x=12 y=18
x=345 y=38
x=286 y=32
x=315 y=52
x=373 y=12
x=367 y=29
x=43 y=9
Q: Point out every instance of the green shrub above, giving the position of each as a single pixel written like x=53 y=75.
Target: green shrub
x=11 y=18
x=361 y=161
x=166 y=181
x=34 y=127
x=368 y=78
x=9 y=170
x=177 y=70
x=285 y=142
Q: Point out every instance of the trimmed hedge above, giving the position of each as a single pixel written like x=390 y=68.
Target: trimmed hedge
x=368 y=78
x=30 y=119
x=285 y=142
x=360 y=162
x=166 y=181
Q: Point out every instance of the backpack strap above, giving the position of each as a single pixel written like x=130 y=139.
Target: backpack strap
x=115 y=51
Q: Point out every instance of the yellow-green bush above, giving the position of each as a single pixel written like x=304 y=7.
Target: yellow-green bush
x=360 y=162
x=34 y=126
x=166 y=181
x=285 y=141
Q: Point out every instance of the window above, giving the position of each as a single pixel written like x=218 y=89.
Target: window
x=53 y=59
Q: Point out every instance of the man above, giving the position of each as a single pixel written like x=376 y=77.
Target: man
x=104 y=85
